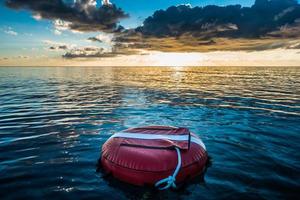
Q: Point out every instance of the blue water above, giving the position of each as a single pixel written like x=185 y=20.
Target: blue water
x=53 y=121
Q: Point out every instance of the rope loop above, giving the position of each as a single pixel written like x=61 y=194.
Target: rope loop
x=170 y=181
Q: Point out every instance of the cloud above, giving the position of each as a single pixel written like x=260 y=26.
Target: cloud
x=106 y=38
x=229 y=21
x=85 y=52
x=10 y=31
x=61 y=47
x=287 y=31
x=82 y=15
x=72 y=51
x=23 y=57
x=295 y=45
x=60 y=26
x=58 y=46
x=189 y=43
x=57 y=32
x=268 y=24
x=106 y=2
x=279 y=44
x=97 y=52
x=94 y=39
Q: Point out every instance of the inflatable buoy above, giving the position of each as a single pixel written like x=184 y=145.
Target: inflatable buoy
x=157 y=156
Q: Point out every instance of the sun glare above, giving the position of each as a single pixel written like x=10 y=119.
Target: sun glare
x=174 y=59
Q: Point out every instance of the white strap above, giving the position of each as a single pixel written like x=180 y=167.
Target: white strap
x=146 y=136
x=198 y=141
x=170 y=181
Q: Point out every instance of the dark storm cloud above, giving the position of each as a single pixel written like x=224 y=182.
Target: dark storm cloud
x=268 y=24
x=230 y=21
x=81 y=15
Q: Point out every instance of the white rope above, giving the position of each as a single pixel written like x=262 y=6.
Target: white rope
x=170 y=181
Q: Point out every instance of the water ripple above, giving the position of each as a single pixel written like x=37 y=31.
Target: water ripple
x=53 y=122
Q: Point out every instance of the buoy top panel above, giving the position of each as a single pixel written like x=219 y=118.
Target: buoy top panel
x=156 y=137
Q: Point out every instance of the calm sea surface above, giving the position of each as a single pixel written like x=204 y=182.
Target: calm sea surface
x=54 y=120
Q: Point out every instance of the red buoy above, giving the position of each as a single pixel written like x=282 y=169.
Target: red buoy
x=155 y=155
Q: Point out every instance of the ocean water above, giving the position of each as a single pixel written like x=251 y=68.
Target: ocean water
x=54 y=120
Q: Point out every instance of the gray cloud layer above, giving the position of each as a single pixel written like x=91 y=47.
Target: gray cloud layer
x=82 y=15
x=231 y=21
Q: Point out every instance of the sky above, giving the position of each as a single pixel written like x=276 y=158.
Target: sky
x=144 y=33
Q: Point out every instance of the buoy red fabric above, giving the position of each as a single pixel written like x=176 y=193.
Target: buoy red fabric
x=143 y=156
